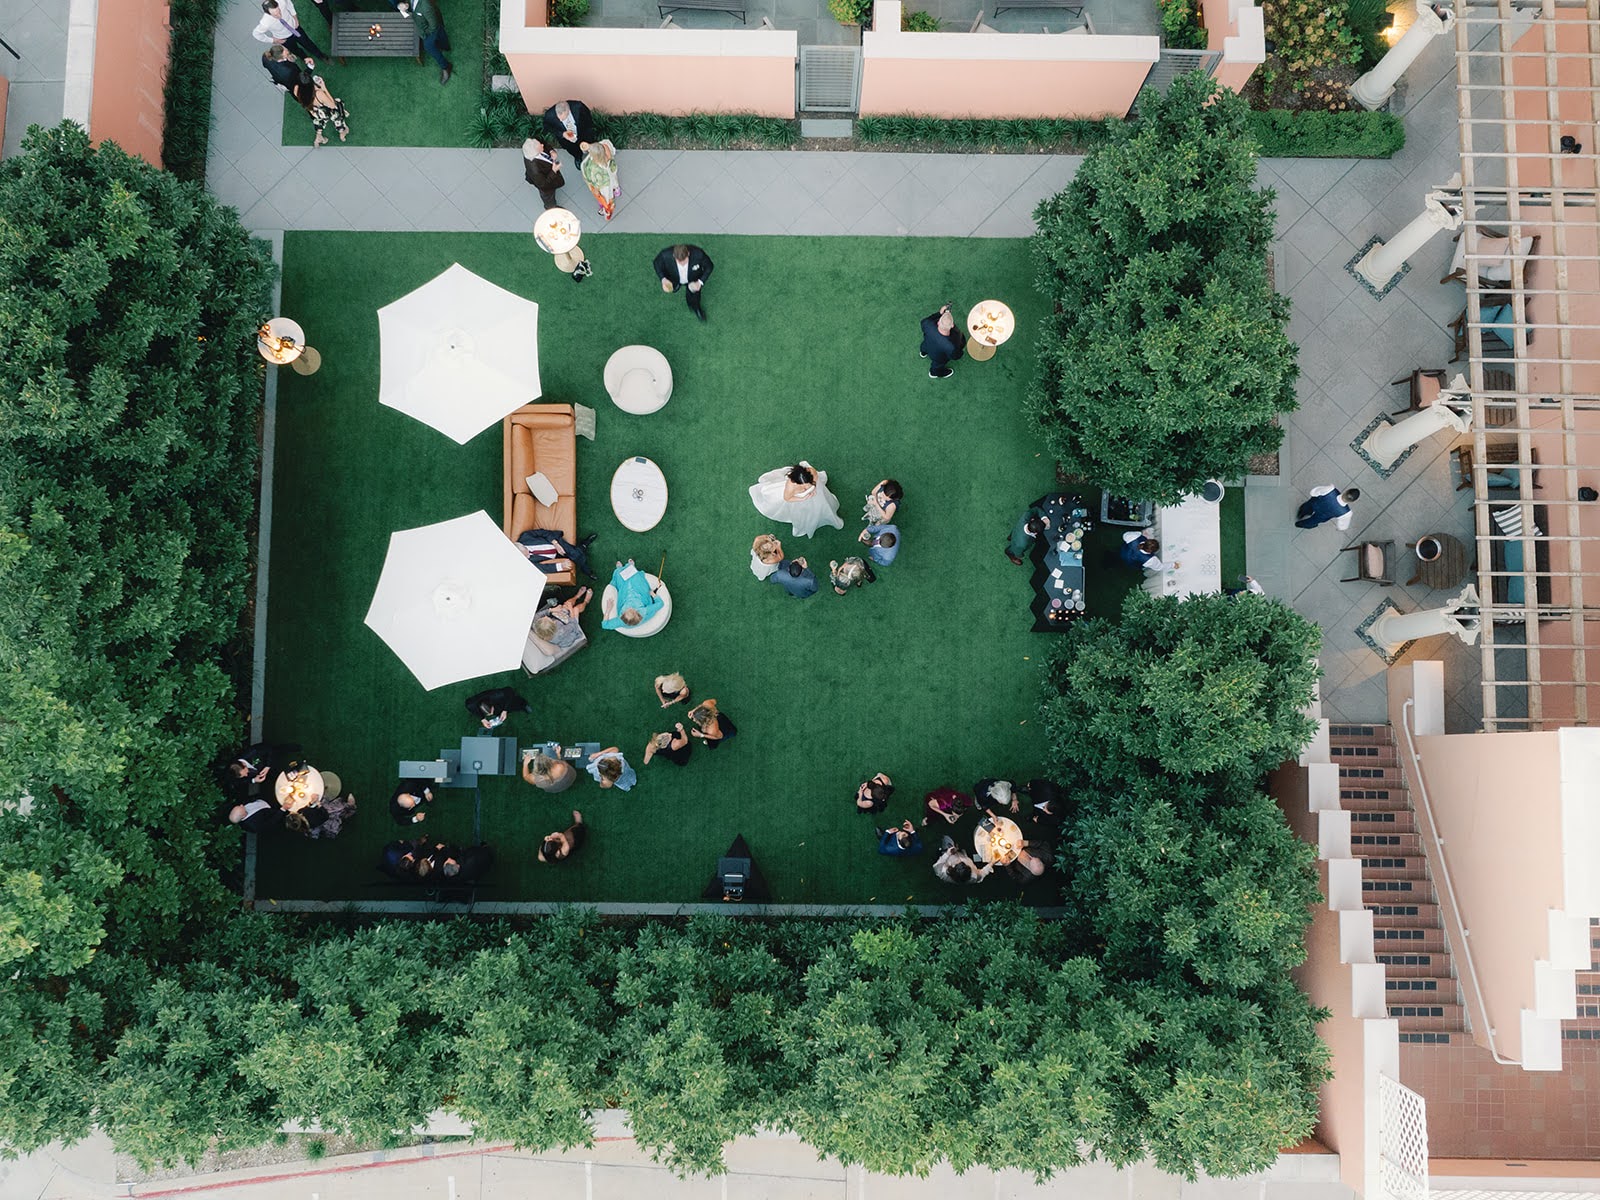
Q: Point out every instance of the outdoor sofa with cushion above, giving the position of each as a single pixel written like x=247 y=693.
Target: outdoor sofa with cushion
x=542 y=438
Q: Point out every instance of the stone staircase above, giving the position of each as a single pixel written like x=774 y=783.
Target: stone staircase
x=1408 y=936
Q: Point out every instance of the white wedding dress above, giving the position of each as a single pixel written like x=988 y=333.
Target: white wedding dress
x=806 y=515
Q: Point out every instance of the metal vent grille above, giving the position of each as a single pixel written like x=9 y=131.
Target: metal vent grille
x=830 y=78
x=1173 y=63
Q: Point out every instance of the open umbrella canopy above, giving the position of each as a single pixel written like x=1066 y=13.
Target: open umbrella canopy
x=455 y=600
x=459 y=353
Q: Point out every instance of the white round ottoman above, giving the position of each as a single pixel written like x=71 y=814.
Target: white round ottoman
x=638 y=379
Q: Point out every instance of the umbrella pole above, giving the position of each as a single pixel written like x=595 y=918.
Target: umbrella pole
x=659 y=569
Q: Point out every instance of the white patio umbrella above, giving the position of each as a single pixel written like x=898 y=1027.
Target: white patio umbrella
x=459 y=353
x=455 y=600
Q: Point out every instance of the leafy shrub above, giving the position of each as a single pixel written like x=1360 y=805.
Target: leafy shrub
x=918 y=22
x=1282 y=134
x=129 y=396
x=1180 y=25
x=943 y=135
x=1207 y=686
x=851 y=12
x=1164 y=362
x=568 y=12
x=1311 y=33
x=186 y=131
x=1363 y=17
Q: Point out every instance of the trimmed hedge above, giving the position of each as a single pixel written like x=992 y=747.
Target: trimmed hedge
x=186 y=132
x=977 y=135
x=1284 y=134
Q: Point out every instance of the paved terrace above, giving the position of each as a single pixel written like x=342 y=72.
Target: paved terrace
x=1351 y=345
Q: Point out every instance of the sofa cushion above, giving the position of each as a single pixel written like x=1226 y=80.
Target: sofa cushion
x=1514 y=584
x=522 y=514
x=556 y=454
x=561 y=516
x=1372 y=560
x=522 y=463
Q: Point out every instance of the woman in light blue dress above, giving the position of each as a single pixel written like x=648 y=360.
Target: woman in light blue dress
x=611 y=770
x=636 y=603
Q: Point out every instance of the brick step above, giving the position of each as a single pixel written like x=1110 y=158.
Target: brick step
x=1389 y=940
x=1434 y=1038
x=1386 y=843
x=1357 y=773
x=1381 y=821
x=1416 y=1018
x=1371 y=755
x=1359 y=735
x=1399 y=913
x=1384 y=798
x=1402 y=965
x=1396 y=891
x=1421 y=989
x=1413 y=870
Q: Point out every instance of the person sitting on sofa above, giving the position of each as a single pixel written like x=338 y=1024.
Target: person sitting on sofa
x=636 y=603
x=556 y=629
x=552 y=553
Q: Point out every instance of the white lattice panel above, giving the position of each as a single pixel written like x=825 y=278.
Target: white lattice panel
x=1402 y=1141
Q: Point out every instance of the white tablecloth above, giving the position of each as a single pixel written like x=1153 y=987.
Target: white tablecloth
x=1191 y=549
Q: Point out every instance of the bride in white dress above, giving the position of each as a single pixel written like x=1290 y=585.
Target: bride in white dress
x=799 y=495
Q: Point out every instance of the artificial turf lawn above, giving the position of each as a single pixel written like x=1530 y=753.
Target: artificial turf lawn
x=810 y=352
x=392 y=101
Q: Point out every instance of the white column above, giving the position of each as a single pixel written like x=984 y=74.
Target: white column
x=1388 y=442
x=1372 y=90
x=1394 y=629
x=1440 y=211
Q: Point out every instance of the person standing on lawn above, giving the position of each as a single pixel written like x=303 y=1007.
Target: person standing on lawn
x=571 y=126
x=686 y=267
x=425 y=16
x=1029 y=526
x=942 y=342
x=280 y=26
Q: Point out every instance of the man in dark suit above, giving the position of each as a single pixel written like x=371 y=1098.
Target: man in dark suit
x=256 y=816
x=686 y=267
x=795 y=577
x=941 y=342
x=282 y=67
x=571 y=124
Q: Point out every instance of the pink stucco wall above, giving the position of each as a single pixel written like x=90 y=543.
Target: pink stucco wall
x=130 y=67
x=624 y=83
x=998 y=88
x=1341 y=1101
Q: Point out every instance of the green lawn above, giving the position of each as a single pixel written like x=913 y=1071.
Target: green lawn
x=811 y=351
x=392 y=101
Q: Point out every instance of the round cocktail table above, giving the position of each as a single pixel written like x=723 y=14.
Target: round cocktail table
x=639 y=494
x=1446 y=569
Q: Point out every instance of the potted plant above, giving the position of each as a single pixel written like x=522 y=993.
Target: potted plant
x=851 y=12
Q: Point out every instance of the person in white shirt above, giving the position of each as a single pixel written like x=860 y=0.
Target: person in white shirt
x=1327 y=503
x=280 y=26
x=1139 y=549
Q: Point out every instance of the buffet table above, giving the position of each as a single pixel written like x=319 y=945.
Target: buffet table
x=1191 y=549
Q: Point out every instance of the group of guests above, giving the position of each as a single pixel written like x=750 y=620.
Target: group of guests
x=419 y=860
x=250 y=784
x=569 y=125
x=1036 y=808
x=290 y=58
x=800 y=495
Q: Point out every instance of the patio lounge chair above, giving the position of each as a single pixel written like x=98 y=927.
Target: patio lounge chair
x=539 y=656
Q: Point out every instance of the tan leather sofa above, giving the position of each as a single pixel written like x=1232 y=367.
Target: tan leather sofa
x=542 y=437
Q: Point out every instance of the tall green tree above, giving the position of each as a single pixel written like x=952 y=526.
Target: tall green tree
x=1164 y=361
x=128 y=455
x=1182 y=687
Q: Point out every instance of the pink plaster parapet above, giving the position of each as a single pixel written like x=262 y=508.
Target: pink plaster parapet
x=643 y=70
x=1237 y=29
x=126 y=101
x=999 y=74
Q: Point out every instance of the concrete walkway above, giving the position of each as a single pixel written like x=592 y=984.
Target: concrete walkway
x=769 y=1168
